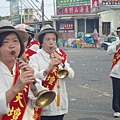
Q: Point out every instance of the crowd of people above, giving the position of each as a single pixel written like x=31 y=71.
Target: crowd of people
x=30 y=68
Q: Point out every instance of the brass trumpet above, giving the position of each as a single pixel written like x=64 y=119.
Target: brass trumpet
x=62 y=72
x=44 y=96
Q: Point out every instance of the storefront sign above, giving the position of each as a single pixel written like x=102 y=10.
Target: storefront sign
x=84 y=9
x=72 y=2
x=111 y=2
x=95 y=3
x=66 y=26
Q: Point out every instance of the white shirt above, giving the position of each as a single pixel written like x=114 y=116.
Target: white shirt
x=39 y=62
x=115 y=72
x=6 y=81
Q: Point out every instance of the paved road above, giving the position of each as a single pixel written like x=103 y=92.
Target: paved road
x=90 y=93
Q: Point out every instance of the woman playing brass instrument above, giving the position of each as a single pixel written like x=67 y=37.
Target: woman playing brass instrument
x=16 y=98
x=45 y=64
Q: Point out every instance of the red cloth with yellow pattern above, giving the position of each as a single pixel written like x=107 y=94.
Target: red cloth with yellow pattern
x=30 y=52
x=19 y=102
x=116 y=58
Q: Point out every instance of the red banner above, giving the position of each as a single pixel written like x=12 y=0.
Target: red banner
x=84 y=9
x=95 y=3
x=66 y=26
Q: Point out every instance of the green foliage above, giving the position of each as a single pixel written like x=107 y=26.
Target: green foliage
x=1 y=18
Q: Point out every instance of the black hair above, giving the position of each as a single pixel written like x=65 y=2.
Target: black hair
x=3 y=36
x=41 y=37
x=29 y=40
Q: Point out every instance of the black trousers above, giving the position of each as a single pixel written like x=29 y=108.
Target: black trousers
x=116 y=94
x=58 y=117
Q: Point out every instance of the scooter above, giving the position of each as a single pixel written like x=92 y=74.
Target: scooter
x=107 y=41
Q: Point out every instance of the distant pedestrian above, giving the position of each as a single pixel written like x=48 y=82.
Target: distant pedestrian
x=95 y=36
x=114 y=49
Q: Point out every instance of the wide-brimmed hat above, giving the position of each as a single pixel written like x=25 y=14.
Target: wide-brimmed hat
x=6 y=26
x=47 y=29
x=118 y=29
x=29 y=29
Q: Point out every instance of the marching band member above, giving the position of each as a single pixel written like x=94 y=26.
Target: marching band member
x=114 y=49
x=16 y=98
x=45 y=63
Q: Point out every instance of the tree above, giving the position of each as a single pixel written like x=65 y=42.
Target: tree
x=1 y=18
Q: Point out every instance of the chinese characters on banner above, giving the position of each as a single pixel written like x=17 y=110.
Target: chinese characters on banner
x=61 y=3
x=66 y=26
x=95 y=3
x=84 y=9
x=111 y=2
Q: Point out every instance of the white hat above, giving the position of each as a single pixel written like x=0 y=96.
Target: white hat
x=6 y=26
x=47 y=29
x=118 y=29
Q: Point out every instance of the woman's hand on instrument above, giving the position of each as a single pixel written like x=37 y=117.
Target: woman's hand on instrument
x=25 y=67
x=23 y=79
x=26 y=77
x=56 y=60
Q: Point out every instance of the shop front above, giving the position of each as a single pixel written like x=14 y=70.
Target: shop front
x=70 y=28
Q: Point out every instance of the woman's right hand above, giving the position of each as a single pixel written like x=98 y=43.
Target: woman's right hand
x=26 y=77
x=56 y=60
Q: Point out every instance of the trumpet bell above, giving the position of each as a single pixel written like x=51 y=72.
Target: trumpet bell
x=62 y=73
x=45 y=98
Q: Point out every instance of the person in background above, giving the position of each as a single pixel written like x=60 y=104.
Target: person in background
x=111 y=34
x=95 y=36
x=114 y=49
x=46 y=63
x=17 y=101
x=31 y=45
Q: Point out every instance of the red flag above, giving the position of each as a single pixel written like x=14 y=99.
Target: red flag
x=95 y=3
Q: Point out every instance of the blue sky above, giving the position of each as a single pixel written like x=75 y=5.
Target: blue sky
x=49 y=8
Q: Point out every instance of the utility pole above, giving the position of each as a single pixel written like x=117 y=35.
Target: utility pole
x=42 y=12
x=21 y=12
x=54 y=6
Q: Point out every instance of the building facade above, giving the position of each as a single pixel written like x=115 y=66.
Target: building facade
x=71 y=18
